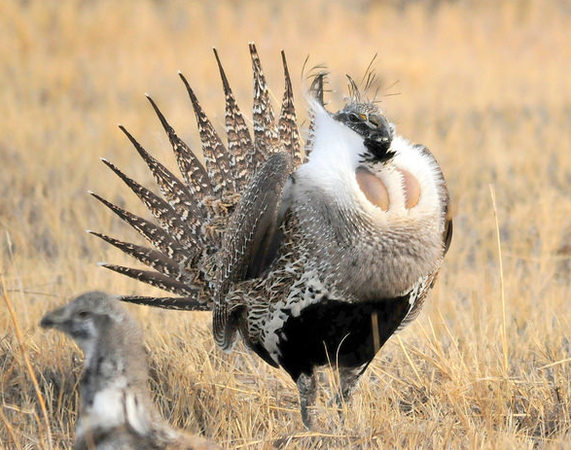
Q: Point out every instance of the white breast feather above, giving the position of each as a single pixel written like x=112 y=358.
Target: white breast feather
x=333 y=158
x=425 y=170
x=106 y=411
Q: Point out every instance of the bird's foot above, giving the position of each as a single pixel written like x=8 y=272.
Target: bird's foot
x=307 y=387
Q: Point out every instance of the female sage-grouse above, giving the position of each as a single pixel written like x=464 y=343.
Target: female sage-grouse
x=116 y=409
x=310 y=256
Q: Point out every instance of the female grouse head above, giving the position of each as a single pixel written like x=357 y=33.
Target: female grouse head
x=90 y=319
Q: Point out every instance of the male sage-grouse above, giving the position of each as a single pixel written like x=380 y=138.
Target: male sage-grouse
x=312 y=256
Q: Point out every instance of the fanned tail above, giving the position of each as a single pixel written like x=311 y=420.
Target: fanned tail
x=265 y=131
x=215 y=154
x=153 y=278
x=192 y=170
x=316 y=93
x=161 y=210
x=194 y=210
x=180 y=303
x=287 y=124
x=156 y=236
x=239 y=139
x=147 y=256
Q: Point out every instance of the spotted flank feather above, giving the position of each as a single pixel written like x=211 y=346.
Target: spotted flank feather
x=248 y=243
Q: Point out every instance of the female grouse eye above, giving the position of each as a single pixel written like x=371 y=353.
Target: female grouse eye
x=83 y=314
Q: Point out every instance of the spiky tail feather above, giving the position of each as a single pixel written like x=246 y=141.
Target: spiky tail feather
x=179 y=303
x=192 y=213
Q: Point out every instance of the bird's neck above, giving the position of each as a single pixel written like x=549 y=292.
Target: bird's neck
x=113 y=389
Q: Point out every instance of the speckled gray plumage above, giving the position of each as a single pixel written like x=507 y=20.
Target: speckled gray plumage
x=115 y=406
x=280 y=231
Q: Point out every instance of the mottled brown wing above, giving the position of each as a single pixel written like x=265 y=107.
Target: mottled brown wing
x=249 y=245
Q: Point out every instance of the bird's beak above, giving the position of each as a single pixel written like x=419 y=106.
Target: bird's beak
x=55 y=319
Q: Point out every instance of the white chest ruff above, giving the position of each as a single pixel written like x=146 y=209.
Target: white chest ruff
x=383 y=248
x=113 y=407
x=106 y=411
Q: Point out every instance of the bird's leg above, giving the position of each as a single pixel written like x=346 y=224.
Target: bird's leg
x=348 y=378
x=307 y=387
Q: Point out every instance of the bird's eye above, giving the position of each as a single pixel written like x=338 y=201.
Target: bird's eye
x=83 y=314
x=353 y=117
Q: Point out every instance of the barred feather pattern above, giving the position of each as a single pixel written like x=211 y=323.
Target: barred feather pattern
x=193 y=211
x=316 y=92
x=265 y=132
x=193 y=172
x=239 y=139
x=287 y=124
x=215 y=154
x=161 y=210
x=156 y=236
x=178 y=303
x=147 y=256
x=297 y=263
x=177 y=194
x=153 y=278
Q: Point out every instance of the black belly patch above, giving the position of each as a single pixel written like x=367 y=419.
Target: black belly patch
x=339 y=333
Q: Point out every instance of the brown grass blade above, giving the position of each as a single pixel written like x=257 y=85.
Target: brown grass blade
x=502 y=292
x=48 y=438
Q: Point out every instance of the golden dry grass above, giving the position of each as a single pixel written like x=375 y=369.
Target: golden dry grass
x=484 y=84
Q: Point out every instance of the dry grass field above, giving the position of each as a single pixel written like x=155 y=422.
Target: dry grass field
x=485 y=85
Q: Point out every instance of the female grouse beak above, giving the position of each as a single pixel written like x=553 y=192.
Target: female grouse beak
x=55 y=319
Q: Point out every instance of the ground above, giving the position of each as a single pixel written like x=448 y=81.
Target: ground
x=485 y=85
